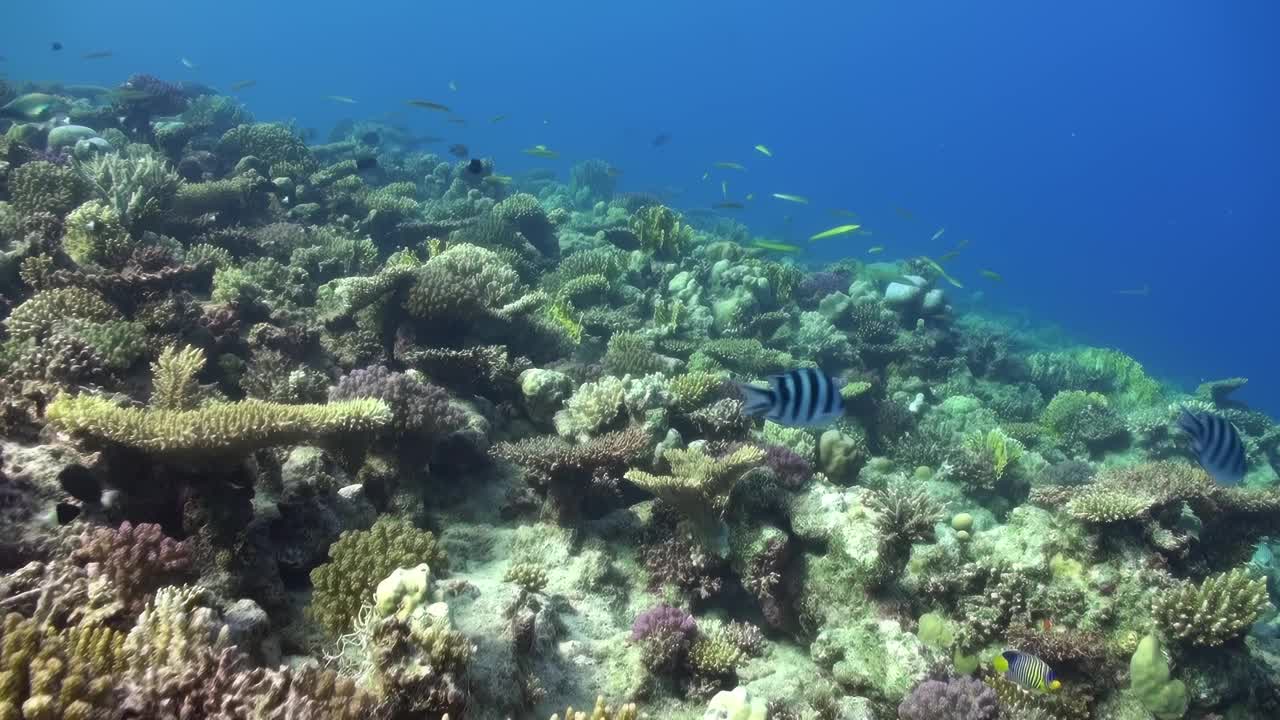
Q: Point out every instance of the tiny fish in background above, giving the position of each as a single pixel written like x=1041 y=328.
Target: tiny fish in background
x=875 y=249
x=837 y=230
x=661 y=139
x=55 y=46
x=777 y=246
x=428 y=105
x=764 y=151
x=242 y=85
x=801 y=397
x=475 y=167
x=459 y=150
x=938 y=235
x=792 y=198
x=497 y=118
x=1216 y=444
x=991 y=275
x=728 y=205
x=341 y=99
x=1026 y=670
x=366 y=163
x=97 y=55
x=453 y=86
x=187 y=64
x=370 y=138
x=726 y=165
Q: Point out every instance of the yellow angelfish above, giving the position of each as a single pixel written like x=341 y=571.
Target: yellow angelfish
x=837 y=230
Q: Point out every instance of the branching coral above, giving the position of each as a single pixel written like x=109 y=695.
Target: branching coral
x=361 y=559
x=699 y=486
x=661 y=231
x=45 y=673
x=1218 y=610
x=137 y=559
x=960 y=699
x=524 y=213
x=44 y=187
x=570 y=474
x=416 y=406
x=173 y=378
x=273 y=143
x=216 y=428
x=35 y=317
x=137 y=185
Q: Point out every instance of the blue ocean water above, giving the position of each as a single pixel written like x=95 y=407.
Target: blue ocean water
x=1082 y=148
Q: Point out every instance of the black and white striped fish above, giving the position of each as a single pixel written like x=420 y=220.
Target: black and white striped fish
x=1216 y=444
x=799 y=397
x=1027 y=670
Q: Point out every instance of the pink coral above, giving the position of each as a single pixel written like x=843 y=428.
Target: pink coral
x=137 y=559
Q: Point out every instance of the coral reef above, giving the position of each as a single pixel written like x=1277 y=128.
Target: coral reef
x=295 y=426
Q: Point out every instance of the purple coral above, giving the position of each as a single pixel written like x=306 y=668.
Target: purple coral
x=663 y=620
x=960 y=699
x=791 y=469
x=137 y=559
x=417 y=406
x=150 y=94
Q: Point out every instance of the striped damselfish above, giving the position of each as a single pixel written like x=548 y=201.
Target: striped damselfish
x=1216 y=444
x=798 y=397
x=1026 y=670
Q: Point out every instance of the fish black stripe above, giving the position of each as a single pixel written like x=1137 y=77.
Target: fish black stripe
x=830 y=406
x=1222 y=444
x=1210 y=441
x=819 y=392
x=801 y=396
x=783 y=398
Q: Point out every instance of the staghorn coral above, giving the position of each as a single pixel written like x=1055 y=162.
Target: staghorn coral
x=699 y=486
x=137 y=559
x=1218 y=610
x=361 y=559
x=173 y=376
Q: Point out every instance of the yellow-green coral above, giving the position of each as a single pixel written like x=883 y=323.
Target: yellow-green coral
x=403 y=592
x=49 y=673
x=998 y=447
x=361 y=559
x=214 y=428
x=276 y=144
x=35 y=317
x=45 y=187
x=691 y=391
x=699 y=485
x=529 y=577
x=136 y=183
x=715 y=655
x=94 y=235
x=119 y=342
x=174 y=378
x=1219 y=609
x=602 y=711
x=661 y=231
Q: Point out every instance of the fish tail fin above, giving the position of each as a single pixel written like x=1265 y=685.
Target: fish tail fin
x=758 y=400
